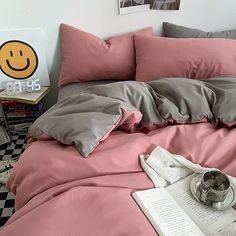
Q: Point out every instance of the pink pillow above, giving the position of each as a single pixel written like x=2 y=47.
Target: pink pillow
x=86 y=57
x=158 y=57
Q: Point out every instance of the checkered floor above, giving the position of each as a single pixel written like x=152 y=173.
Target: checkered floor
x=6 y=198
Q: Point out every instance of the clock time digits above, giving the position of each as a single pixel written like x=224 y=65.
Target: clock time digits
x=23 y=86
x=14 y=88
x=33 y=85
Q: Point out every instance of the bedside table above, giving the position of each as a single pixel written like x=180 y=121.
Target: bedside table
x=21 y=110
x=7 y=199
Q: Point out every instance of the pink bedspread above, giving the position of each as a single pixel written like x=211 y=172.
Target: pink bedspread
x=60 y=193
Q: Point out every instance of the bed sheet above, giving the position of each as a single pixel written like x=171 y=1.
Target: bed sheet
x=60 y=193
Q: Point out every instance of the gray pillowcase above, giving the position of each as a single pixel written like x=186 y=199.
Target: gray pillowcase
x=178 y=31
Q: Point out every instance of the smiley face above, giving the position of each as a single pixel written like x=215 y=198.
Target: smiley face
x=18 y=59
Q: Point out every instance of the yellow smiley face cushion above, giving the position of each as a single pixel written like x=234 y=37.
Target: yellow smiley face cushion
x=18 y=59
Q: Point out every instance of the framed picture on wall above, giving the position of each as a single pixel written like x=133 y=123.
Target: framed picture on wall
x=165 y=4
x=130 y=6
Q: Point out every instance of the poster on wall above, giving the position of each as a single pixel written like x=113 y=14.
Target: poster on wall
x=165 y=4
x=22 y=57
x=130 y=6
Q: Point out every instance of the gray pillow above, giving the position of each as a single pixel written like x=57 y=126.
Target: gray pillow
x=178 y=31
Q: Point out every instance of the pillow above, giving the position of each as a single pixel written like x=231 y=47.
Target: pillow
x=86 y=57
x=159 y=57
x=178 y=31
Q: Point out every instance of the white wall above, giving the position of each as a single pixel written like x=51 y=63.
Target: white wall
x=101 y=18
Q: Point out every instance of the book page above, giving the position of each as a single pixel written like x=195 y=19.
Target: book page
x=165 y=214
x=229 y=230
x=209 y=220
x=25 y=96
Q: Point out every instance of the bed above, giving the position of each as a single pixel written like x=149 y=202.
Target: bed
x=64 y=186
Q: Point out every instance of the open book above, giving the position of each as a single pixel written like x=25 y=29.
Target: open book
x=26 y=97
x=174 y=211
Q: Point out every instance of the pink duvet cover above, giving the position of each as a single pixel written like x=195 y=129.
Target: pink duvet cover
x=60 y=193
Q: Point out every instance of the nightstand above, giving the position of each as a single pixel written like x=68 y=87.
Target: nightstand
x=21 y=110
x=7 y=199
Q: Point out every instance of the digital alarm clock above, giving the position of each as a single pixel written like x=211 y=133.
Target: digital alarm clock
x=17 y=87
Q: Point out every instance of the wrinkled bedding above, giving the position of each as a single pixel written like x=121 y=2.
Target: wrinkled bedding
x=60 y=193
x=87 y=118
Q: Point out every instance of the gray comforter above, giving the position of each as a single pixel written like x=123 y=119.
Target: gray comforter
x=85 y=119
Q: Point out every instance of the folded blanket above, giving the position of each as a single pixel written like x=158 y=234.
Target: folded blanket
x=87 y=118
x=164 y=168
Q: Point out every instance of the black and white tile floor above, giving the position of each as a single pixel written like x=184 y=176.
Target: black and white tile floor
x=7 y=199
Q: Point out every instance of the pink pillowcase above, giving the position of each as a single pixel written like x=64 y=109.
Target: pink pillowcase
x=86 y=57
x=158 y=57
